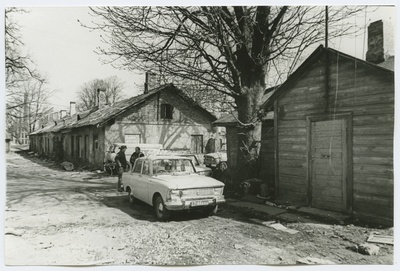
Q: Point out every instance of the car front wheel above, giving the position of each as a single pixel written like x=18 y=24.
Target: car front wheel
x=211 y=211
x=131 y=198
x=161 y=212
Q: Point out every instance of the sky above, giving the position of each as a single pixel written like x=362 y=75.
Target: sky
x=63 y=50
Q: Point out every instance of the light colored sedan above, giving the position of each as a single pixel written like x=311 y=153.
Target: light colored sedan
x=201 y=169
x=213 y=159
x=171 y=183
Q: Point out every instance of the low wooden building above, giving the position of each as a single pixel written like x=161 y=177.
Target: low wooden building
x=332 y=136
x=164 y=115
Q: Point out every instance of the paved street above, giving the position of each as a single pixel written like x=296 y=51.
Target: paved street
x=55 y=217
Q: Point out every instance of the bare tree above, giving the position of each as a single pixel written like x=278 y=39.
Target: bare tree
x=26 y=95
x=19 y=67
x=229 y=49
x=107 y=91
x=25 y=106
x=207 y=97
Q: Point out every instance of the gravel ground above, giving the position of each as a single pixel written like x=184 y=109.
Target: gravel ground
x=55 y=217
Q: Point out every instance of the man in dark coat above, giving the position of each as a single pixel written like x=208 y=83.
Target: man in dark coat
x=121 y=164
x=135 y=156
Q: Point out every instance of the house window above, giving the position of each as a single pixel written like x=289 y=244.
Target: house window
x=78 y=146
x=86 y=148
x=166 y=111
x=72 y=145
x=47 y=145
x=95 y=142
x=196 y=144
x=132 y=138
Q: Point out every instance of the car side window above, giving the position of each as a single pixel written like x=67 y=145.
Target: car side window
x=138 y=166
x=146 y=168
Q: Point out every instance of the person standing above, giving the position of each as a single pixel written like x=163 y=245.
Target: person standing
x=213 y=144
x=121 y=165
x=135 y=156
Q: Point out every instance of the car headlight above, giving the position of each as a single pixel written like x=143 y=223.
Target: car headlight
x=175 y=195
x=218 y=191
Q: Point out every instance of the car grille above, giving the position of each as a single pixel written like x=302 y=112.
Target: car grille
x=198 y=192
x=209 y=160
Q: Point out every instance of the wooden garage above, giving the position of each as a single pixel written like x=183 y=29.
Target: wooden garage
x=333 y=136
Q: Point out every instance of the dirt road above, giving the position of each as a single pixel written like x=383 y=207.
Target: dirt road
x=55 y=217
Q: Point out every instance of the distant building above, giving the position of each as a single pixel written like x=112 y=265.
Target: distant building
x=163 y=115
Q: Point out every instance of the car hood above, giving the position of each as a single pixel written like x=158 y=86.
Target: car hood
x=217 y=155
x=201 y=168
x=189 y=181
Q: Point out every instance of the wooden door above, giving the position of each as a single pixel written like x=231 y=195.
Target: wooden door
x=196 y=144
x=328 y=165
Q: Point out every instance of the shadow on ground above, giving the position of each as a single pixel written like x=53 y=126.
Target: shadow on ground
x=55 y=165
x=142 y=211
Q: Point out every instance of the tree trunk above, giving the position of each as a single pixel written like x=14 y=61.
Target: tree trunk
x=249 y=131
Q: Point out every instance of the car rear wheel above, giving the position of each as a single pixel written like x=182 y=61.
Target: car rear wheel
x=131 y=198
x=161 y=212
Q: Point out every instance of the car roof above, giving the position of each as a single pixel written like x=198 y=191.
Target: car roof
x=159 y=157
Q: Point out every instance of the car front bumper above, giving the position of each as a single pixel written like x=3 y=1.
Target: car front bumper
x=189 y=204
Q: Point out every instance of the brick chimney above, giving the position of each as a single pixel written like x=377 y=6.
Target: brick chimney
x=151 y=81
x=102 y=98
x=72 y=108
x=380 y=42
x=63 y=113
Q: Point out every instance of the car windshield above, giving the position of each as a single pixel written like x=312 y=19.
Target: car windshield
x=172 y=166
x=194 y=159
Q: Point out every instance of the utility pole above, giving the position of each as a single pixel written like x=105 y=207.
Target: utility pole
x=327 y=62
x=326 y=26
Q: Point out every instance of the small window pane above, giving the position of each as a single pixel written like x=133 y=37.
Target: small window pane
x=166 y=111
x=146 y=169
x=138 y=166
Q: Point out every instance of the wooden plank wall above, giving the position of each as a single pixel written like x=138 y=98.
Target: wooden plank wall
x=305 y=97
x=267 y=169
x=369 y=94
x=232 y=146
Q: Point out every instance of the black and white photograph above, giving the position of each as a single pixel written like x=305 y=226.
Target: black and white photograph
x=246 y=134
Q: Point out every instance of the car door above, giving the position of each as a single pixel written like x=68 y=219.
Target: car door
x=141 y=176
x=145 y=180
x=136 y=183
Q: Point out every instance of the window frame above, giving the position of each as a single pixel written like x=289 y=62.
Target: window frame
x=166 y=111
x=137 y=162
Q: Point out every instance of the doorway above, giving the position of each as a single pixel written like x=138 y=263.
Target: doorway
x=330 y=166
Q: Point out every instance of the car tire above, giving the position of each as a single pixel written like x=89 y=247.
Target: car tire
x=131 y=198
x=107 y=169
x=162 y=214
x=211 y=211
